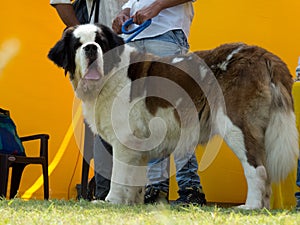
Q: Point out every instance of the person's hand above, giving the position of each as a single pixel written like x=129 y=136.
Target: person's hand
x=120 y=19
x=147 y=13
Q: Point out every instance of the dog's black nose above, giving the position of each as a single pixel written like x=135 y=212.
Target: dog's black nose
x=90 y=48
x=91 y=51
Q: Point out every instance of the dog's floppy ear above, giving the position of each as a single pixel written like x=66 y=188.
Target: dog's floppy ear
x=60 y=53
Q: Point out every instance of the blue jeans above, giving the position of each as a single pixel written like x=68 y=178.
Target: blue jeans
x=170 y=43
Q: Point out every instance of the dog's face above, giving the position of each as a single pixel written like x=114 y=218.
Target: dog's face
x=87 y=52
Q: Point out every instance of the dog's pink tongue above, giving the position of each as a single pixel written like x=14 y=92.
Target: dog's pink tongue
x=92 y=74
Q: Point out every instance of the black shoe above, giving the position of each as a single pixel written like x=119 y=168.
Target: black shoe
x=90 y=193
x=151 y=195
x=154 y=195
x=190 y=196
x=102 y=187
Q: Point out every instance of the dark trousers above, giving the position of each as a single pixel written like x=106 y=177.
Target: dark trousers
x=102 y=167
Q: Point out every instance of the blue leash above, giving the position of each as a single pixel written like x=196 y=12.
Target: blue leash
x=136 y=30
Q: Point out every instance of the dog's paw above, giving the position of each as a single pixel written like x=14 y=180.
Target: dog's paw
x=127 y=195
x=248 y=207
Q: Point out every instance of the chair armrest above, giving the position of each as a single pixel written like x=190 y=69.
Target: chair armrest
x=43 y=142
x=34 y=137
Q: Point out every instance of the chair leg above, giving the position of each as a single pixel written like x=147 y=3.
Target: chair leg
x=17 y=170
x=84 y=178
x=46 y=181
x=4 y=168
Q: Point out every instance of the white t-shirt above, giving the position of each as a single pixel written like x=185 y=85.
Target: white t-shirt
x=108 y=9
x=176 y=17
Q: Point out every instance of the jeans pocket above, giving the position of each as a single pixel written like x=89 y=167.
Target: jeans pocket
x=180 y=38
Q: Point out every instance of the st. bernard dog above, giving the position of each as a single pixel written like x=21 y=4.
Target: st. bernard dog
x=146 y=107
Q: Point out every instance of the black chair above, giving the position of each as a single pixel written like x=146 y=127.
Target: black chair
x=18 y=163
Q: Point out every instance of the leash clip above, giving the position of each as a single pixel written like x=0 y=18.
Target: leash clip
x=136 y=30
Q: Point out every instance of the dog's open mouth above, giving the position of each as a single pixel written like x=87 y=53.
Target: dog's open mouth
x=92 y=72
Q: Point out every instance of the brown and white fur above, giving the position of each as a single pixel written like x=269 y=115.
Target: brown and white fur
x=247 y=100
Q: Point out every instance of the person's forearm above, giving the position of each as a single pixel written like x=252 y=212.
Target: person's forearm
x=163 y=4
x=154 y=9
x=67 y=14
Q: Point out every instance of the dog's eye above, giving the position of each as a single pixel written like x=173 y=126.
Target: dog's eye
x=77 y=45
x=98 y=39
x=102 y=42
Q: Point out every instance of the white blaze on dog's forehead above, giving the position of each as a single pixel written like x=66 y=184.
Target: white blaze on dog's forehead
x=86 y=32
x=177 y=60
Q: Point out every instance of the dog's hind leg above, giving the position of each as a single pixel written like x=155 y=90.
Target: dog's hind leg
x=255 y=172
x=251 y=155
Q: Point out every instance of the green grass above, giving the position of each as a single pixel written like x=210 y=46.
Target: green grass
x=54 y=212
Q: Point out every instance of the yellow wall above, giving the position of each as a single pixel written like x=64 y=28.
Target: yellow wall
x=41 y=98
x=270 y=24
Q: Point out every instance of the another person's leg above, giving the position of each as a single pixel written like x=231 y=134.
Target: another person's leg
x=158 y=181
x=190 y=189
x=102 y=167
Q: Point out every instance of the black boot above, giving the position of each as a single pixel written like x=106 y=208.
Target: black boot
x=193 y=196
x=102 y=187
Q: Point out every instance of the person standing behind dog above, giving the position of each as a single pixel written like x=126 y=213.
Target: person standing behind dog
x=167 y=35
x=101 y=150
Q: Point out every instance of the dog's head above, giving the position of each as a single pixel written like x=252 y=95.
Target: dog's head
x=87 y=52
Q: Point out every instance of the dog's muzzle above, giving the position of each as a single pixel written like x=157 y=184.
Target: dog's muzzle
x=91 y=62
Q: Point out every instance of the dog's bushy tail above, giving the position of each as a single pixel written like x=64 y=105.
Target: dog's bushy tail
x=281 y=138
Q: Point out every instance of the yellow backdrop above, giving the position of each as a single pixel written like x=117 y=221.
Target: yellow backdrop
x=41 y=99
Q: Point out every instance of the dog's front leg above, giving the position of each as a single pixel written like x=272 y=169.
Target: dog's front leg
x=128 y=176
